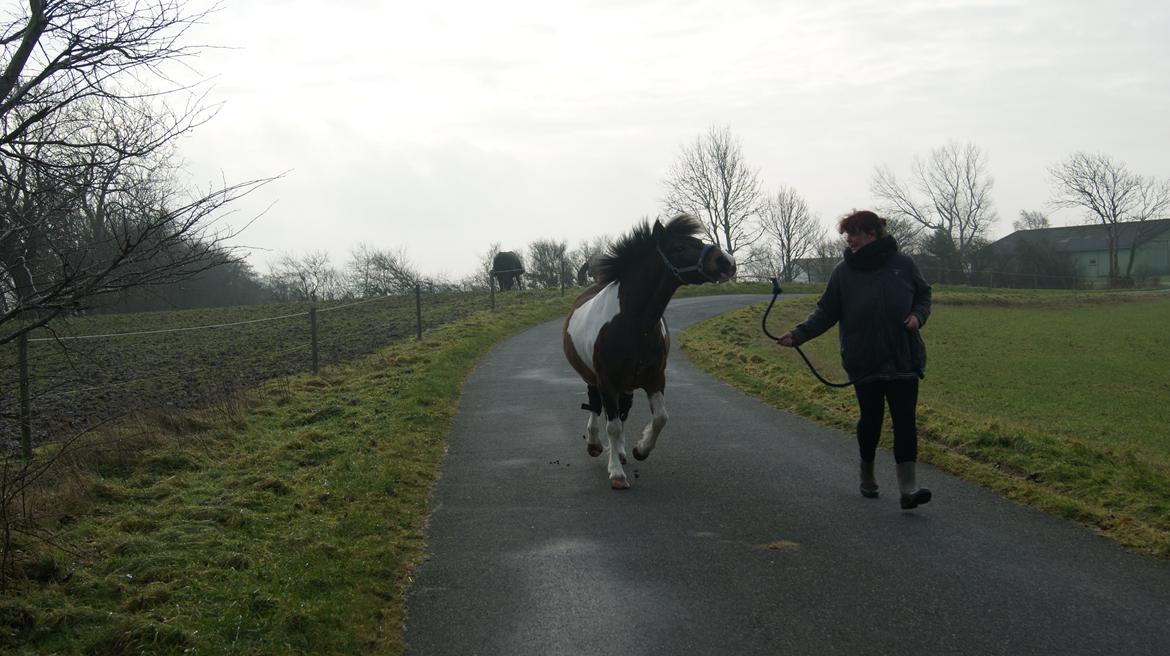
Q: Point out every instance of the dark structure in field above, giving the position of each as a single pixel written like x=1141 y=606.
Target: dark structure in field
x=507 y=267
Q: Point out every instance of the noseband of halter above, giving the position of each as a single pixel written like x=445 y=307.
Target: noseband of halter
x=679 y=271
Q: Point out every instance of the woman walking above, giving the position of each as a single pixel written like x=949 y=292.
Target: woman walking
x=881 y=301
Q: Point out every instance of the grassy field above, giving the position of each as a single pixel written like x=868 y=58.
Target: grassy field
x=174 y=360
x=1056 y=399
x=283 y=520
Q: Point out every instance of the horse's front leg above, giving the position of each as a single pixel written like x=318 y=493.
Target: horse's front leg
x=611 y=400
x=654 y=427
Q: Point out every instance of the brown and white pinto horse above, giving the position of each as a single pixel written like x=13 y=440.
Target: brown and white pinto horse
x=615 y=336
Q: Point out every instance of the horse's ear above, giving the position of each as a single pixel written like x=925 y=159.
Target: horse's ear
x=658 y=230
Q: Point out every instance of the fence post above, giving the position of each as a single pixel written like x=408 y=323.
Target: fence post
x=418 y=308
x=313 y=329
x=25 y=406
x=562 y=275
x=492 y=287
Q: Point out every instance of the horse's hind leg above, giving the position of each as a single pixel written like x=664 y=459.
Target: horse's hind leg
x=593 y=435
x=654 y=427
x=593 y=428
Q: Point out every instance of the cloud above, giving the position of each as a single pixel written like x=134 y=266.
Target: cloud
x=446 y=127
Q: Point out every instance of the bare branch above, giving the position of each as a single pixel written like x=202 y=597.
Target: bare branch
x=710 y=180
x=951 y=193
x=791 y=227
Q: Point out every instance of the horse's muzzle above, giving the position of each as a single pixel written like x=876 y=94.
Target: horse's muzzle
x=725 y=267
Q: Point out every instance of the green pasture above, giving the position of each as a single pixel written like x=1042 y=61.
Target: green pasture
x=1060 y=400
x=283 y=520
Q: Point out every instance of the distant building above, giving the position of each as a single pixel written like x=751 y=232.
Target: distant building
x=813 y=269
x=1084 y=249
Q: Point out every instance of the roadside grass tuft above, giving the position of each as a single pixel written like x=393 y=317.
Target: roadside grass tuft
x=1054 y=399
x=286 y=521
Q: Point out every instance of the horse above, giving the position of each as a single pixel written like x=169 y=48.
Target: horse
x=585 y=271
x=507 y=268
x=615 y=337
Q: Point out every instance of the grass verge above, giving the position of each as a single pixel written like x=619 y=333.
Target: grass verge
x=286 y=520
x=1056 y=400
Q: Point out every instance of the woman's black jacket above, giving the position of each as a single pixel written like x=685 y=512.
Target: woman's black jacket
x=870 y=294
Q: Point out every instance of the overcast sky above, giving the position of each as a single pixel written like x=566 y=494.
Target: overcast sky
x=443 y=127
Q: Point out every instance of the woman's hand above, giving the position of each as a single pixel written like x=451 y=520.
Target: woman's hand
x=787 y=339
x=911 y=323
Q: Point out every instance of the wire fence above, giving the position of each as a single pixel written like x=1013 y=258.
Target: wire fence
x=58 y=381
x=1003 y=279
x=996 y=279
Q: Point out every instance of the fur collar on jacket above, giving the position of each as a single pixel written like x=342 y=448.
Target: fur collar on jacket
x=873 y=255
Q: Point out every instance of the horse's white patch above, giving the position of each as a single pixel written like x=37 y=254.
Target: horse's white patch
x=617 y=449
x=588 y=320
x=593 y=430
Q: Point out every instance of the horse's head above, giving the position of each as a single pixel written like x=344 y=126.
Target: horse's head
x=688 y=258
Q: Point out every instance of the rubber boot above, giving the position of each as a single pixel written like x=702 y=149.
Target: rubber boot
x=912 y=495
x=869 y=486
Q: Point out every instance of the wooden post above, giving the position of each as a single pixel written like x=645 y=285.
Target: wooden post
x=25 y=406
x=562 y=275
x=418 y=308
x=313 y=328
x=492 y=287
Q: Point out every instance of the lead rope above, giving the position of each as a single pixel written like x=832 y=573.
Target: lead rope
x=764 y=324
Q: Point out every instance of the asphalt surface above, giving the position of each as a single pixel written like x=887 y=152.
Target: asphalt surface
x=743 y=533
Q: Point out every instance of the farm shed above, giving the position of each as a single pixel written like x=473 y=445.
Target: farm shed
x=813 y=269
x=1087 y=247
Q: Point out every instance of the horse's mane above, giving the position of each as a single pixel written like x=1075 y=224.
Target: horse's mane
x=638 y=244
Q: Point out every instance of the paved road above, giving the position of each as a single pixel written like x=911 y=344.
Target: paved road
x=530 y=552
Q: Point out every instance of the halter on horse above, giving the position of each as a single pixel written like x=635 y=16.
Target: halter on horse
x=615 y=337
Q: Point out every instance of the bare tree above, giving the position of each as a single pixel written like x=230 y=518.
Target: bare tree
x=711 y=180
x=374 y=272
x=1030 y=220
x=546 y=264
x=793 y=230
x=359 y=271
x=61 y=53
x=581 y=258
x=1112 y=195
x=309 y=278
x=950 y=191
x=760 y=261
x=88 y=201
x=487 y=261
x=907 y=232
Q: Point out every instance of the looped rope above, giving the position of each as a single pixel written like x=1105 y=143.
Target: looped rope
x=764 y=324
